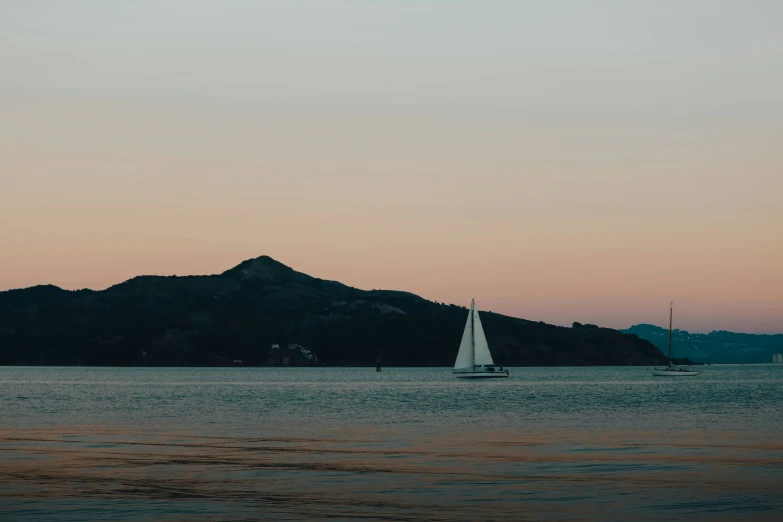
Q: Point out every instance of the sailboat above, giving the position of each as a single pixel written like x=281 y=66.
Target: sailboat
x=674 y=370
x=473 y=358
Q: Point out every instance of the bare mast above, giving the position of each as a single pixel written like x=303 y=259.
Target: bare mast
x=671 y=306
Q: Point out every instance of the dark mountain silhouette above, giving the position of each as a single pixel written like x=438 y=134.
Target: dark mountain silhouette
x=718 y=346
x=235 y=318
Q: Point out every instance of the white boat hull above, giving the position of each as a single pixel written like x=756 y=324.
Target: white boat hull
x=480 y=375
x=674 y=373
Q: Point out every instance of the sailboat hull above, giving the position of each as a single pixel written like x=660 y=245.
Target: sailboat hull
x=481 y=372
x=480 y=375
x=674 y=373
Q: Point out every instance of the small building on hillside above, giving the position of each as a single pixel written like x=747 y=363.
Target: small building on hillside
x=307 y=354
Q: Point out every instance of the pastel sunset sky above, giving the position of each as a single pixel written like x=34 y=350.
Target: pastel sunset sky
x=559 y=160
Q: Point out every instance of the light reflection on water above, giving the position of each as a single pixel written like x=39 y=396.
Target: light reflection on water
x=404 y=444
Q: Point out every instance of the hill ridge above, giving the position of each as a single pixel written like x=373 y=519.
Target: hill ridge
x=237 y=316
x=717 y=346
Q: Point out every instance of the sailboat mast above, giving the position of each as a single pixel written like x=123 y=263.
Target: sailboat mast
x=473 y=330
x=671 y=306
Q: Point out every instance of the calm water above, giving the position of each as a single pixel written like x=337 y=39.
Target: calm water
x=405 y=444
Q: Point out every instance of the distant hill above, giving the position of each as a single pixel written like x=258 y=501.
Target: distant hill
x=236 y=317
x=714 y=347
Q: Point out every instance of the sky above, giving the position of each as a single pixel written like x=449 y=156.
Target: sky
x=559 y=161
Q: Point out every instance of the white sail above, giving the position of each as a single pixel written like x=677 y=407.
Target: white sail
x=466 y=353
x=473 y=350
x=481 y=353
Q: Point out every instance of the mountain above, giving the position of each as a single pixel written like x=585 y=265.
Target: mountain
x=236 y=317
x=715 y=347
